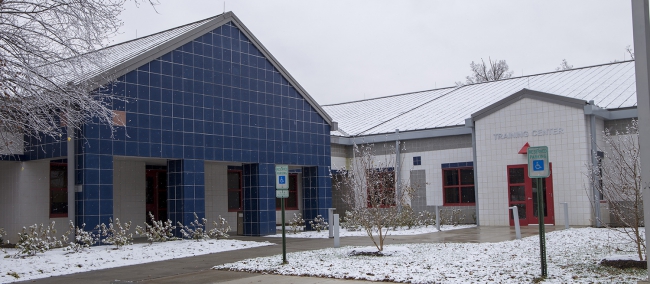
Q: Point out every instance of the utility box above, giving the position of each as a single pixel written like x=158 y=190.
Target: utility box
x=240 y=223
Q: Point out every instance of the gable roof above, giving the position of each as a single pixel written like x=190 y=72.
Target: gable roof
x=128 y=56
x=611 y=86
x=525 y=93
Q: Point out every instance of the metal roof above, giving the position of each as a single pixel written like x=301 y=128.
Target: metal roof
x=122 y=58
x=611 y=86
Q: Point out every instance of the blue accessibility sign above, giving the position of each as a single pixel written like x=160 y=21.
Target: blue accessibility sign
x=282 y=180
x=538 y=165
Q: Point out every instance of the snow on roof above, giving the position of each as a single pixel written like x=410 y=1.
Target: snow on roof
x=611 y=86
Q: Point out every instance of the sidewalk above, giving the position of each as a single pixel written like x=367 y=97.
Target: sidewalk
x=197 y=269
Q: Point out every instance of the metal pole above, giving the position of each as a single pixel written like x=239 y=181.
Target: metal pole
x=284 y=236
x=515 y=217
x=475 y=164
x=335 y=222
x=540 y=216
x=594 y=165
x=71 y=176
x=566 y=214
x=438 y=217
x=641 y=33
x=398 y=172
x=330 y=216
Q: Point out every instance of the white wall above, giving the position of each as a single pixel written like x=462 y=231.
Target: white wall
x=568 y=152
x=24 y=197
x=216 y=194
x=129 y=191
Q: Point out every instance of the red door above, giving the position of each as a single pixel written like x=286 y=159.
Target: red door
x=522 y=192
x=156 y=198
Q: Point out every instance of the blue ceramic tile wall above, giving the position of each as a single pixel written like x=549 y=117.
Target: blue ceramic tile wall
x=185 y=190
x=317 y=193
x=216 y=98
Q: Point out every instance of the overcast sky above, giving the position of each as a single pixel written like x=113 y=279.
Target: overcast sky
x=350 y=50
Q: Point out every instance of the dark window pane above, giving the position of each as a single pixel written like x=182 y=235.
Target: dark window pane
x=58 y=177
x=59 y=202
x=466 y=176
x=234 y=200
x=234 y=180
x=451 y=177
x=467 y=194
x=291 y=201
x=521 y=211
x=451 y=195
x=516 y=175
x=517 y=193
x=150 y=188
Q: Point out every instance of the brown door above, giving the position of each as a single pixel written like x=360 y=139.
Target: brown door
x=156 y=195
x=522 y=192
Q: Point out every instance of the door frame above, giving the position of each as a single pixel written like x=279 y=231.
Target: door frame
x=528 y=191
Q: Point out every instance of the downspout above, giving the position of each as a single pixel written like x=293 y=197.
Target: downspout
x=398 y=172
x=470 y=123
x=594 y=165
x=71 y=174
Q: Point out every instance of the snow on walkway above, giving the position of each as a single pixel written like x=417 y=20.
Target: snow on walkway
x=573 y=256
x=60 y=262
x=362 y=233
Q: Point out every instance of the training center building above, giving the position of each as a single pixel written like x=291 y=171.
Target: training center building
x=465 y=147
x=204 y=112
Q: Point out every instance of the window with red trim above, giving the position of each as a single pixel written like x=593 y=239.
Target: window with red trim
x=291 y=202
x=58 y=190
x=381 y=188
x=235 y=200
x=458 y=186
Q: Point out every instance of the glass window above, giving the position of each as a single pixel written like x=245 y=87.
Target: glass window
x=417 y=160
x=234 y=190
x=58 y=190
x=458 y=186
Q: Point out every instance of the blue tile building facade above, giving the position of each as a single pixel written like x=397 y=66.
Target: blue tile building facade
x=215 y=98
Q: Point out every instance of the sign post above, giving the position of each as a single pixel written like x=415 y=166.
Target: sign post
x=282 y=192
x=538 y=169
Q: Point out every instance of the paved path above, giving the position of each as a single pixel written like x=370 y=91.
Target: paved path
x=197 y=269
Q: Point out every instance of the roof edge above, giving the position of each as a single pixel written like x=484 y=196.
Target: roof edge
x=527 y=93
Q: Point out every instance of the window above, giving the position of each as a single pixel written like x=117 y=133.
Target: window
x=417 y=160
x=458 y=186
x=381 y=188
x=291 y=202
x=234 y=190
x=58 y=190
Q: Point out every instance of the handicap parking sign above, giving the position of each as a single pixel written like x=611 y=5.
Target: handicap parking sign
x=538 y=162
x=538 y=165
x=282 y=180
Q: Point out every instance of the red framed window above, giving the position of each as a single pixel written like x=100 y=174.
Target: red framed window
x=458 y=186
x=235 y=198
x=381 y=188
x=58 y=190
x=291 y=202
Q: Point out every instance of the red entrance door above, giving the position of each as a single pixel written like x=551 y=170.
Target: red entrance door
x=156 y=194
x=522 y=192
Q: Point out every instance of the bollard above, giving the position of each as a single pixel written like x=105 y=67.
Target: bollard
x=330 y=216
x=515 y=216
x=566 y=214
x=438 y=218
x=335 y=225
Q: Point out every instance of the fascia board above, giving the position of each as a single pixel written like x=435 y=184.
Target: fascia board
x=409 y=135
x=526 y=93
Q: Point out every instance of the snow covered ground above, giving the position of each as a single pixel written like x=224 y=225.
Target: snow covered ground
x=362 y=233
x=573 y=256
x=60 y=262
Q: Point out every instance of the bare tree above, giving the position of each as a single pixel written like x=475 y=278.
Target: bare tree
x=618 y=179
x=481 y=72
x=371 y=192
x=564 y=66
x=45 y=47
x=630 y=52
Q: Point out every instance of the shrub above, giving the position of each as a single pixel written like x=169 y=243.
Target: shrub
x=197 y=232
x=405 y=218
x=82 y=238
x=2 y=233
x=158 y=231
x=350 y=222
x=318 y=223
x=37 y=238
x=426 y=218
x=297 y=223
x=116 y=233
x=220 y=229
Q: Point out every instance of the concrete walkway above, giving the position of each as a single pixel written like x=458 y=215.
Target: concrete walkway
x=197 y=269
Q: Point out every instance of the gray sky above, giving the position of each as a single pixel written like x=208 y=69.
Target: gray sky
x=350 y=50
